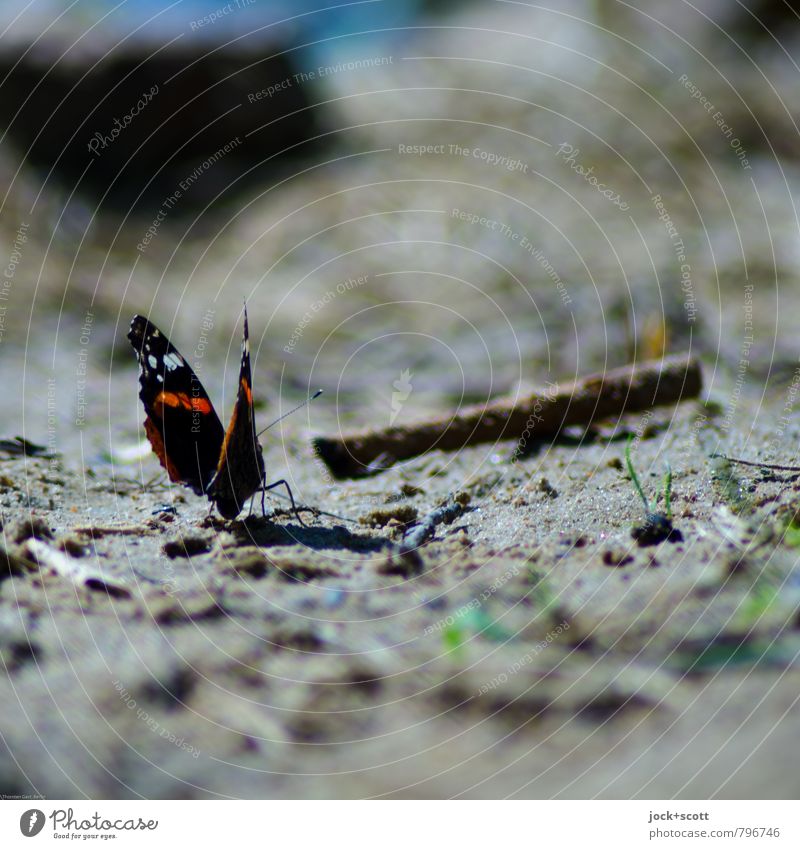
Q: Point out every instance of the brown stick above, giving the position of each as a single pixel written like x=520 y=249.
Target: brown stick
x=541 y=415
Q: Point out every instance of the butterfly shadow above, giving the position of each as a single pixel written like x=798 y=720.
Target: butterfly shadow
x=265 y=533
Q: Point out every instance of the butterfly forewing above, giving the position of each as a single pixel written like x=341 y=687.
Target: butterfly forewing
x=182 y=425
x=240 y=472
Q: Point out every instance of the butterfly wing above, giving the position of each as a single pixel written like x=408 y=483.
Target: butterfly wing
x=240 y=472
x=183 y=428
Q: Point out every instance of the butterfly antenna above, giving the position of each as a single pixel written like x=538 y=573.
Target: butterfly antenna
x=293 y=410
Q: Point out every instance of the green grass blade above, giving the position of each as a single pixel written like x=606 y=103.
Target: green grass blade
x=634 y=476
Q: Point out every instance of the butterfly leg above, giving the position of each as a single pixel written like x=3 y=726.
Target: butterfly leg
x=291 y=498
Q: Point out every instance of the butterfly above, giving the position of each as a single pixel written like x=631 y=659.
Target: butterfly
x=184 y=429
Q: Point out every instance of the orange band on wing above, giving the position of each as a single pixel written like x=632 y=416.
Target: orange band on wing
x=181 y=399
x=247 y=391
x=201 y=405
x=157 y=442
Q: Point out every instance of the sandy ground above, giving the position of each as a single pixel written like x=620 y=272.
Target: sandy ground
x=151 y=650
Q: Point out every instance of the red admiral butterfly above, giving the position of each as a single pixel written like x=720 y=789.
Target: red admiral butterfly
x=185 y=431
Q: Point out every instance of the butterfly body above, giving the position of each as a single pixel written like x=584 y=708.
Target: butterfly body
x=185 y=432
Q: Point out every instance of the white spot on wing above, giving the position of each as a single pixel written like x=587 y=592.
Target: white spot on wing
x=173 y=361
x=153 y=361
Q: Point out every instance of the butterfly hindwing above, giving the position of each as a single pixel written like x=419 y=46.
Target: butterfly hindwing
x=240 y=471
x=182 y=425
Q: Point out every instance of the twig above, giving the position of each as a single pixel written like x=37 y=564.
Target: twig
x=542 y=415
x=444 y=515
x=120 y=530
x=75 y=570
x=407 y=552
x=771 y=466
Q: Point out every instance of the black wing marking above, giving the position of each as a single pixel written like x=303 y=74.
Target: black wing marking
x=182 y=425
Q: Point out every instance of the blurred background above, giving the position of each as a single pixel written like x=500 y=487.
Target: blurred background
x=528 y=193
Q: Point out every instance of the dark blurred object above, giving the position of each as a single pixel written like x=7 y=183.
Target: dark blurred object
x=139 y=121
x=19 y=447
x=764 y=20
x=130 y=99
